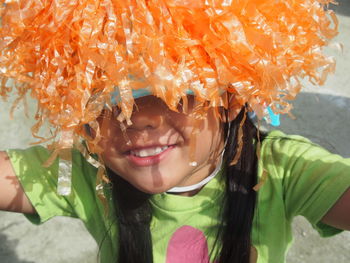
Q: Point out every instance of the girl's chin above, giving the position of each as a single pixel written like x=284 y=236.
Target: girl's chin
x=152 y=190
x=154 y=182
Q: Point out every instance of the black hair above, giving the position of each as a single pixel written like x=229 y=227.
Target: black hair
x=134 y=212
x=237 y=215
x=134 y=216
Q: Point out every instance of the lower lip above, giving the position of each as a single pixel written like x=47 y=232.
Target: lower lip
x=149 y=160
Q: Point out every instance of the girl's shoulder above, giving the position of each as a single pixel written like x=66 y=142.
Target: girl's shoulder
x=288 y=154
x=277 y=136
x=300 y=177
x=277 y=144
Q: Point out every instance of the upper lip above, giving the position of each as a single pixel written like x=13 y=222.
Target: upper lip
x=140 y=141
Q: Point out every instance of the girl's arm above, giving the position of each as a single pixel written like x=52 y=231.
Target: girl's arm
x=339 y=215
x=12 y=196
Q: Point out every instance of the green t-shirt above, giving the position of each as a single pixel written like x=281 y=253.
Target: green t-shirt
x=302 y=179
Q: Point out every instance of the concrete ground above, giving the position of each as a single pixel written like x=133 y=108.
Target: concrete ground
x=322 y=114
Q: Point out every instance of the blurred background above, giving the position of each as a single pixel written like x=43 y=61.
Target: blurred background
x=321 y=114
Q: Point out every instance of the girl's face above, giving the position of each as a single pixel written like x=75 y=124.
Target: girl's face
x=160 y=153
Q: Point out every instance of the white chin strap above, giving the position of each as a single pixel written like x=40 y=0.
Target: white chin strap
x=183 y=189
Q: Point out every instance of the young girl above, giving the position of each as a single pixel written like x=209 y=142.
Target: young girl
x=171 y=168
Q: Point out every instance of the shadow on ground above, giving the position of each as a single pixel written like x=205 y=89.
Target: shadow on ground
x=7 y=251
x=323 y=118
x=60 y=240
x=343 y=7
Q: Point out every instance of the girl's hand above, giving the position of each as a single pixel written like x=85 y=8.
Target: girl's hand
x=12 y=196
x=339 y=215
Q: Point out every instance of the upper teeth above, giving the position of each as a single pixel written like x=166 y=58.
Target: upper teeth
x=149 y=151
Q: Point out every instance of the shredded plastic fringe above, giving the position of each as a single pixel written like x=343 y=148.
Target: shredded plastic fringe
x=72 y=54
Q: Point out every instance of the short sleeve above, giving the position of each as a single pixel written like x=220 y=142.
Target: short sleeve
x=312 y=178
x=40 y=185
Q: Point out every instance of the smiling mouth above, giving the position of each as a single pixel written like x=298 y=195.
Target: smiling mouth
x=148 y=152
x=149 y=156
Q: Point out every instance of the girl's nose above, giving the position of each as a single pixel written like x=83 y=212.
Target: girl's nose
x=149 y=113
x=143 y=120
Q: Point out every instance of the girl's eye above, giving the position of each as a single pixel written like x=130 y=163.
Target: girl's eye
x=180 y=106
x=186 y=104
x=116 y=111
